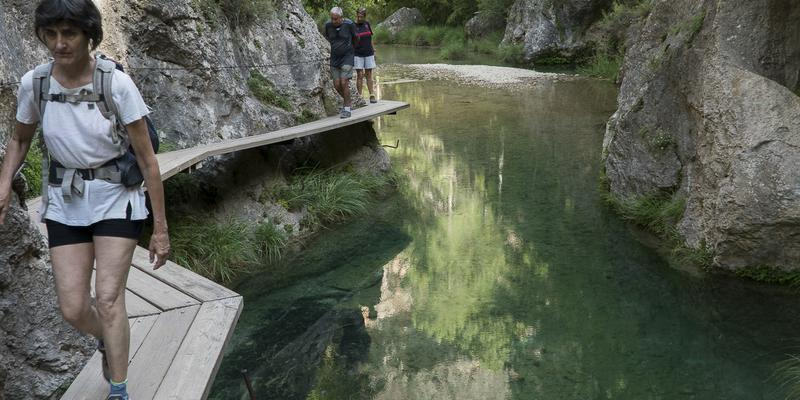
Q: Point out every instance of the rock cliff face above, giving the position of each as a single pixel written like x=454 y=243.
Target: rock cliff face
x=708 y=112
x=552 y=27
x=400 y=20
x=38 y=351
x=192 y=60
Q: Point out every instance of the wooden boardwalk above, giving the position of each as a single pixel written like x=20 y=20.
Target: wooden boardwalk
x=180 y=321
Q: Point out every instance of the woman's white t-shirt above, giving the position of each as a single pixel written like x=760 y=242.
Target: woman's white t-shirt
x=78 y=136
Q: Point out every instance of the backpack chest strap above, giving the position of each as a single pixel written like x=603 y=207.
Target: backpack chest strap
x=84 y=96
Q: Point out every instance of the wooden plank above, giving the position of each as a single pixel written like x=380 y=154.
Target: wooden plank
x=154 y=357
x=137 y=306
x=134 y=305
x=89 y=384
x=158 y=293
x=195 y=365
x=172 y=274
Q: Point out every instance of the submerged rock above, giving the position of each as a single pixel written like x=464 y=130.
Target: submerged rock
x=708 y=111
x=401 y=20
x=552 y=28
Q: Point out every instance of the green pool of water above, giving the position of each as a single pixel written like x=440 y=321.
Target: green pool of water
x=496 y=272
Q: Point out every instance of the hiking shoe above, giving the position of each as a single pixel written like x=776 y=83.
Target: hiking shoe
x=372 y=99
x=344 y=114
x=118 y=397
x=361 y=103
x=101 y=347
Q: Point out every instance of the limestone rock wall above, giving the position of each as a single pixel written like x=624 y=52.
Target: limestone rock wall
x=192 y=62
x=552 y=27
x=708 y=110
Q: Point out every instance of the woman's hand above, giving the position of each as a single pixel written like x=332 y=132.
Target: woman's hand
x=140 y=140
x=159 y=249
x=18 y=144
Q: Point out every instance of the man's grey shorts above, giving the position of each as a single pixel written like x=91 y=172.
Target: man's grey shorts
x=343 y=72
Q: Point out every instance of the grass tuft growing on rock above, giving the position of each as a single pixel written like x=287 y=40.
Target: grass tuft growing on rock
x=217 y=250
x=265 y=91
x=328 y=196
x=769 y=274
x=270 y=241
x=656 y=213
x=603 y=66
x=512 y=54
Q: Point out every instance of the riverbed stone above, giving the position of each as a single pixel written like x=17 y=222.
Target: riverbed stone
x=708 y=110
x=401 y=20
x=552 y=28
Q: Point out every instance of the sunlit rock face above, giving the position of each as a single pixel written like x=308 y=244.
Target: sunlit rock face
x=552 y=27
x=38 y=351
x=192 y=61
x=401 y=20
x=708 y=110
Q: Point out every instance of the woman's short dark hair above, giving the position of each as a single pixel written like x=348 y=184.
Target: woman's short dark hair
x=81 y=13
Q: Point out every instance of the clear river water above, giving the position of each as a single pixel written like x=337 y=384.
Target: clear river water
x=497 y=272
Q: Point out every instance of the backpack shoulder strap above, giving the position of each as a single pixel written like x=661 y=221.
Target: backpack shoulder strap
x=41 y=86
x=103 y=74
x=101 y=83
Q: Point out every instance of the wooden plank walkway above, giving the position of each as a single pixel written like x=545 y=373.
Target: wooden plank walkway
x=180 y=321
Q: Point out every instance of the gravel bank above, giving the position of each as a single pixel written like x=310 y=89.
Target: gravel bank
x=485 y=75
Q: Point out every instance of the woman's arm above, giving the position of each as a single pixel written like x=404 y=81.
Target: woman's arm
x=18 y=145
x=146 y=158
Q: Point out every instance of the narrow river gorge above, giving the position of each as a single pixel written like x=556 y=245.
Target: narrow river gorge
x=496 y=271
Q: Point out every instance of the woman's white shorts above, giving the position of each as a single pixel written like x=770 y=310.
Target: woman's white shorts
x=364 y=62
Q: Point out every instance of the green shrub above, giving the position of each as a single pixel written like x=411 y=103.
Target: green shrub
x=453 y=51
x=238 y=13
x=218 y=251
x=421 y=35
x=270 y=241
x=264 y=91
x=382 y=36
x=32 y=171
x=305 y=117
x=603 y=66
x=188 y=189
x=512 y=54
x=769 y=274
x=487 y=44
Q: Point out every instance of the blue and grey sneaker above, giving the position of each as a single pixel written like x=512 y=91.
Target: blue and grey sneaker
x=345 y=114
x=118 y=391
x=101 y=347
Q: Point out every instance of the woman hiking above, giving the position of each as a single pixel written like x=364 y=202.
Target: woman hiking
x=364 y=55
x=93 y=215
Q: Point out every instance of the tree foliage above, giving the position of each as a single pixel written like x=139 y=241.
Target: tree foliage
x=435 y=12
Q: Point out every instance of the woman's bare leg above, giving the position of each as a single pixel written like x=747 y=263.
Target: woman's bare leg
x=72 y=270
x=113 y=255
